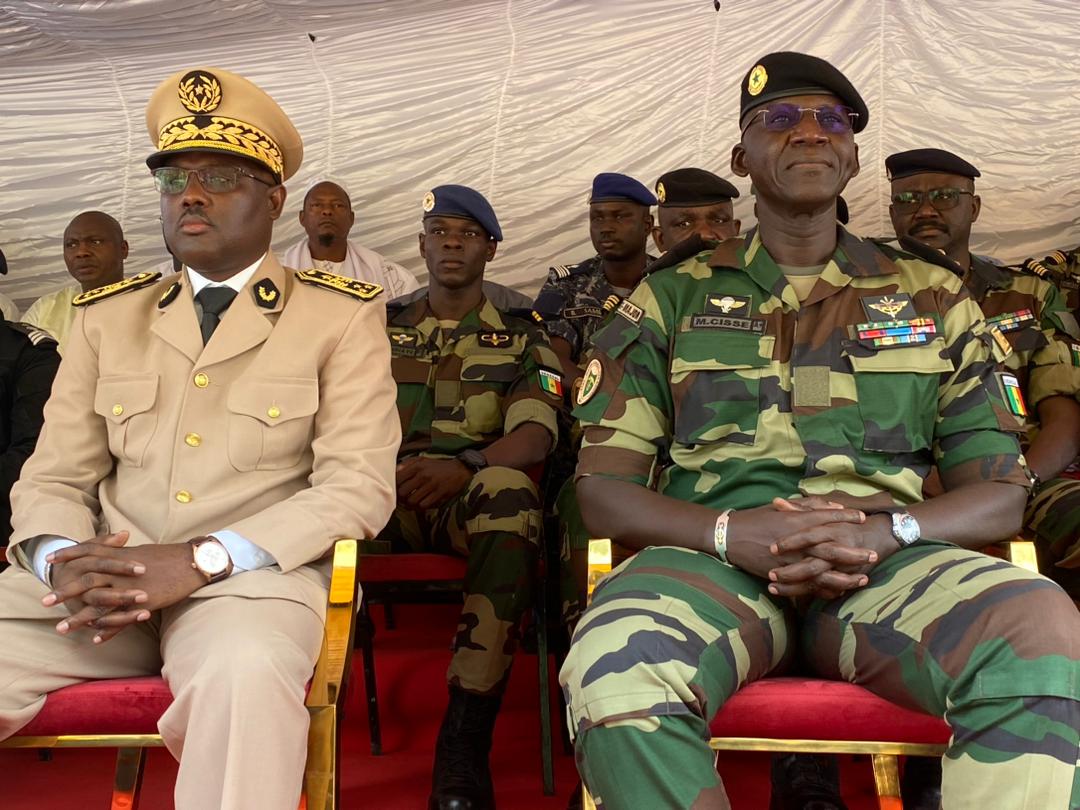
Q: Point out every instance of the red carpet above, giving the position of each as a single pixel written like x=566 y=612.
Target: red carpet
x=412 y=663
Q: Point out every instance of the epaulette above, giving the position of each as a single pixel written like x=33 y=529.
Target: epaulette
x=928 y=254
x=559 y=271
x=364 y=290
x=37 y=336
x=687 y=248
x=136 y=282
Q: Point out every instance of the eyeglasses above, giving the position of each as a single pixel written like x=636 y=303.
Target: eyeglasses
x=214 y=179
x=834 y=119
x=908 y=202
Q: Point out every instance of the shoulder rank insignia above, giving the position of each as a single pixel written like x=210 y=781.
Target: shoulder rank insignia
x=169 y=295
x=37 y=336
x=266 y=294
x=136 y=282
x=363 y=290
x=559 y=271
x=498 y=339
x=894 y=307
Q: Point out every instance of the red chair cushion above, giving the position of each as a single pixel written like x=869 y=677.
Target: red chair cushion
x=410 y=568
x=119 y=706
x=815 y=709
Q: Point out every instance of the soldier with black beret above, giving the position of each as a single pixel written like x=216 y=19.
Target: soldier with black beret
x=693 y=201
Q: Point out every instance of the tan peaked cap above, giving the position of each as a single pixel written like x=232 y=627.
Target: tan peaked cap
x=209 y=109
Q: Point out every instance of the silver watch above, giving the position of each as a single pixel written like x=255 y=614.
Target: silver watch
x=905 y=528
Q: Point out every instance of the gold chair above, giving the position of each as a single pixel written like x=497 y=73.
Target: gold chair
x=150 y=697
x=923 y=735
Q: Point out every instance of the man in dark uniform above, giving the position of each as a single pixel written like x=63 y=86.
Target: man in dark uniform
x=693 y=201
x=477 y=393
x=759 y=421
x=28 y=363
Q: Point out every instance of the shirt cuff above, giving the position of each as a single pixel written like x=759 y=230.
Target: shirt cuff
x=40 y=547
x=245 y=555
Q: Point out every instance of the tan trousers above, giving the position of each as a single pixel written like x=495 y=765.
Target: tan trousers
x=237 y=668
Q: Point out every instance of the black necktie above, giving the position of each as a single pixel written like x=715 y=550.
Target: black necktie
x=214 y=301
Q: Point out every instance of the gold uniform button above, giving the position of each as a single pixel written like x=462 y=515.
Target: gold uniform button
x=117 y=410
x=201 y=380
x=183 y=496
x=273 y=411
x=193 y=440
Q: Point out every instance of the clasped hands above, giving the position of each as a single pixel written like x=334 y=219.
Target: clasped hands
x=809 y=546
x=108 y=587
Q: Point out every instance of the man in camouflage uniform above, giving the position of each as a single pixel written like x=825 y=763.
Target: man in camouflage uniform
x=477 y=393
x=933 y=201
x=839 y=371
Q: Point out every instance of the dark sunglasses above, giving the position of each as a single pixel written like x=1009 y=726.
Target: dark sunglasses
x=214 y=179
x=834 y=119
x=908 y=202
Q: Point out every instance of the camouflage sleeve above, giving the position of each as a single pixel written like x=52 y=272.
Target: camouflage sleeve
x=536 y=392
x=1054 y=370
x=624 y=403
x=550 y=303
x=972 y=438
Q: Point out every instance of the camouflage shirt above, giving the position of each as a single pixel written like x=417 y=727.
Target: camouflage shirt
x=575 y=302
x=1031 y=314
x=884 y=370
x=466 y=387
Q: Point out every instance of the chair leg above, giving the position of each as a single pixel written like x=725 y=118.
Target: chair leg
x=128 y=780
x=364 y=630
x=887 y=782
x=544 y=676
x=320 y=770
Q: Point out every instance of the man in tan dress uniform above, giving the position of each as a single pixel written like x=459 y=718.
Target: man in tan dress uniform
x=209 y=437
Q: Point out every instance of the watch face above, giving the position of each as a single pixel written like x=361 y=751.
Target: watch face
x=906 y=528
x=212 y=558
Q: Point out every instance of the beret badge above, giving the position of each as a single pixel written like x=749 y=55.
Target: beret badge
x=429 y=201
x=757 y=81
x=661 y=193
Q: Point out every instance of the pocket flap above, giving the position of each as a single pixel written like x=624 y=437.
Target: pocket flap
x=274 y=401
x=929 y=358
x=720 y=351
x=120 y=397
x=490 y=367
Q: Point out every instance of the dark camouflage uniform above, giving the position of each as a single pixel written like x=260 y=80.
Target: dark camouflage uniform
x=464 y=390
x=1032 y=314
x=575 y=301
x=778 y=398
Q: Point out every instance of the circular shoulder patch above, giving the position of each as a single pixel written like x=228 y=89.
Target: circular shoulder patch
x=429 y=201
x=758 y=78
x=590 y=383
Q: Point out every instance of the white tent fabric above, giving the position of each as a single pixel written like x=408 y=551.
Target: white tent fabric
x=526 y=100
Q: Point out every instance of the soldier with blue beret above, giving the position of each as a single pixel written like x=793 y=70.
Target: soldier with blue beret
x=462 y=202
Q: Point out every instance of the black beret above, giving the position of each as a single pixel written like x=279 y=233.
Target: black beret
x=691 y=187
x=786 y=73
x=612 y=187
x=842 y=215
x=921 y=161
x=462 y=202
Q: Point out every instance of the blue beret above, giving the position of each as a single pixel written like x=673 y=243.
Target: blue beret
x=462 y=202
x=611 y=187
x=921 y=161
x=787 y=73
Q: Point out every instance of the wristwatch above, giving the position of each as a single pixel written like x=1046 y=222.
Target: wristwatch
x=210 y=559
x=905 y=528
x=473 y=459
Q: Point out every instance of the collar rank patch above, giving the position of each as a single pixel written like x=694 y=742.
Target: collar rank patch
x=495 y=338
x=1011 y=321
x=170 y=295
x=590 y=383
x=632 y=313
x=1014 y=397
x=1001 y=341
x=266 y=294
x=352 y=287
x=893 y=307
x=551 y=382
x=718 y=304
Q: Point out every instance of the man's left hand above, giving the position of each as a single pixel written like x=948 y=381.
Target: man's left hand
x=428 y=483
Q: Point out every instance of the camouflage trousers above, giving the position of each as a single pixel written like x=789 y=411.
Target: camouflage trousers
x=1052 y=520
x=670 y=635
x=495 y=523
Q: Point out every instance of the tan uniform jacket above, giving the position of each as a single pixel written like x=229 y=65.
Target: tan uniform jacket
x=283 y=428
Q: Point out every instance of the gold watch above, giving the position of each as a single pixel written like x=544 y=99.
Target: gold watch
x=210 y=559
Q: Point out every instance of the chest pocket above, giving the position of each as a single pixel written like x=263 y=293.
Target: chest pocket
x=126 y=403
x=1027 y=339
x=897 y=391
x=716 y=385
x=485 y=380
x=271 y=421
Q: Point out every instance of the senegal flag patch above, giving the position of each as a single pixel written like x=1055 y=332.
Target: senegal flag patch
x=551 y=382
x=1014 y=397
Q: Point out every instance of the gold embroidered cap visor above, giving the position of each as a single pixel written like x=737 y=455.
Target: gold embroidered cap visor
x=213 y=110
